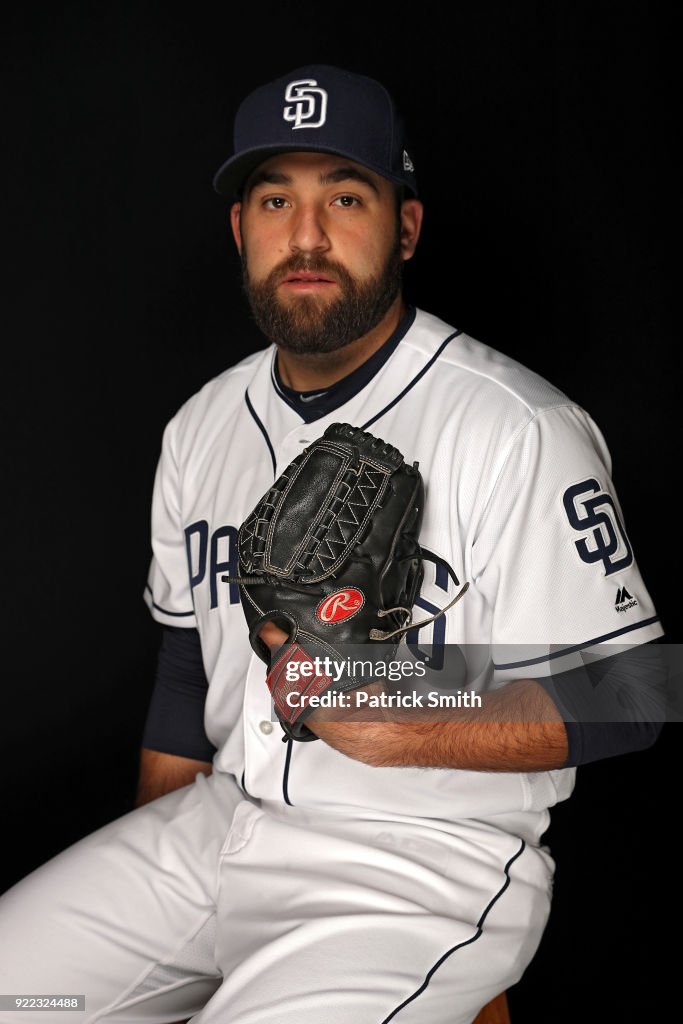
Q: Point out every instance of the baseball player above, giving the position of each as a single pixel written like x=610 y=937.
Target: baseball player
x=390 y=870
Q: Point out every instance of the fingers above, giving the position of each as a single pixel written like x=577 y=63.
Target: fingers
x=272 y=636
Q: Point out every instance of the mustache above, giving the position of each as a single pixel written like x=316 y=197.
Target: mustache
x=311 y=264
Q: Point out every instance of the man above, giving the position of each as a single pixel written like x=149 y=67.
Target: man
x=393 y=870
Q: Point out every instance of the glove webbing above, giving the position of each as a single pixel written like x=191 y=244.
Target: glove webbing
x=338 y=502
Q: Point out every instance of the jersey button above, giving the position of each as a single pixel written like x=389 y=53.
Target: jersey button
x=266 y=727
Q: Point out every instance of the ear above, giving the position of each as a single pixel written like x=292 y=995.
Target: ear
x=412 y=212
x=235 y=210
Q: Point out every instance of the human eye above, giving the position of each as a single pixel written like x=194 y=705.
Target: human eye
x=274 y=203
x=347 y=201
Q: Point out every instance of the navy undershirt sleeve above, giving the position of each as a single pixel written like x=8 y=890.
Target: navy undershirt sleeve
x=611 y=706
x=175 y=719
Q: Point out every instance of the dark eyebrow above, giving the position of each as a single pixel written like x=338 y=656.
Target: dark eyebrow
x=348 y=174
x=266 y=178
x=339 y=174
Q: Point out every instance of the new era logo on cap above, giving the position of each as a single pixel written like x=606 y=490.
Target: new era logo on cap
x=351 y=115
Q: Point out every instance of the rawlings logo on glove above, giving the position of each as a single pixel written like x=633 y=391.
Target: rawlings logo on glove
x=340 y=606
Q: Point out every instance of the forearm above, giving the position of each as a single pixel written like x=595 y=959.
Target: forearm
x=162 y=773
x=518 y=729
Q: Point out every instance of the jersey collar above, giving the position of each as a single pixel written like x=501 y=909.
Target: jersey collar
x=313 y=405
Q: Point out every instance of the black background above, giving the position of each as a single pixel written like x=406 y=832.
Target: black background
x=543 y=137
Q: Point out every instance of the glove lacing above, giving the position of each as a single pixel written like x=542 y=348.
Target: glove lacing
x=379 y=634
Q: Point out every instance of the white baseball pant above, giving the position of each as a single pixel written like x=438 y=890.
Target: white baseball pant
x=204 y=904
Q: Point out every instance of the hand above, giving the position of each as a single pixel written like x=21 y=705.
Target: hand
x=348 y=730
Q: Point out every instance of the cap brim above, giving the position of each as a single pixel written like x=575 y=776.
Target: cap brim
x=230 y=178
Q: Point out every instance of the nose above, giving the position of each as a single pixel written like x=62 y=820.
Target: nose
x=308 y=230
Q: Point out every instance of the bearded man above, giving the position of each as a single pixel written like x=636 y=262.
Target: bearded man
x=394 y=870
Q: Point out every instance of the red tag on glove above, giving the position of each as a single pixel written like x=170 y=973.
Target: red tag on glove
x=295 y=673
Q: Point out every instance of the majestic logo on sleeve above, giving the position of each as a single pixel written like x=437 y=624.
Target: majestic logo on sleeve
x=308 y=104
x=593 y=513
x=624 y=600
x=340 y=605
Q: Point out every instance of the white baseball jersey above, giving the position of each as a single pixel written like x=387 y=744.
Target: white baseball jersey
x=519 y=503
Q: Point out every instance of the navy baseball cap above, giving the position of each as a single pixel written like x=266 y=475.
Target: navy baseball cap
x=322 y=109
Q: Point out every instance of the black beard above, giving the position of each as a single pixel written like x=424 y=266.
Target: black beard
x=306 y=326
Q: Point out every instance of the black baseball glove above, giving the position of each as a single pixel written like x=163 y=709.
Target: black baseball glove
x=331 y=555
